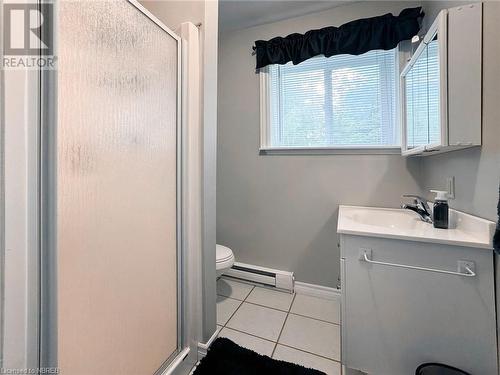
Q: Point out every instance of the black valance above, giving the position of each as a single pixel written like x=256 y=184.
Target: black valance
x=354 y=38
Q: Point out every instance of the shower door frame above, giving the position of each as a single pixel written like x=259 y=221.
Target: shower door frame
x=46 y=336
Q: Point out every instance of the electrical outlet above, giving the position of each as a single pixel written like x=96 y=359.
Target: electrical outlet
x=450 y=187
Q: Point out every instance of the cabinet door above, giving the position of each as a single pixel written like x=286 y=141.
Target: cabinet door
x=394 y=319
x=424 y=93
x=464 y=74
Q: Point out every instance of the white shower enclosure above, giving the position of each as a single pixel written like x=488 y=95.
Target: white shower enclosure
x=111 y=270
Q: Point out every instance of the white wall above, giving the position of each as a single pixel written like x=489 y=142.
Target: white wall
x=477 y=171
x=281 y=211
x=174 y=12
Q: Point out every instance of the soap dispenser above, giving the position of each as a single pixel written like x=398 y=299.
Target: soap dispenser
x=440 y=211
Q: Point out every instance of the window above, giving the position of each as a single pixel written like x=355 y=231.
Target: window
x=344 y=101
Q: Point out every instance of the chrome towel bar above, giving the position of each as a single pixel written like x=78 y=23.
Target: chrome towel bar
x=467 y=266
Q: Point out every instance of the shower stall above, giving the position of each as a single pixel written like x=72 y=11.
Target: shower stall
x=116 y=280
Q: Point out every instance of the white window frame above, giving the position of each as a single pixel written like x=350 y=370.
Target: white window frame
x=266 y=122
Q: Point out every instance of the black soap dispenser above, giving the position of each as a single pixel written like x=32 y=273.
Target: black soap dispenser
x=440 y=211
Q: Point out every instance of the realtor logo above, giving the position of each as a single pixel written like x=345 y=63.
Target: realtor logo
x=28 y=36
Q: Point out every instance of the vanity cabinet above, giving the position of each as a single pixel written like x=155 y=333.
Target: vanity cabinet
x=441 y=85
x=396 y=318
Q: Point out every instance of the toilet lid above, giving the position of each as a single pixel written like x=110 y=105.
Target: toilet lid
x=223 y=253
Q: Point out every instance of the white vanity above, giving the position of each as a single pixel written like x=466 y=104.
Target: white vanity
x=413 y=294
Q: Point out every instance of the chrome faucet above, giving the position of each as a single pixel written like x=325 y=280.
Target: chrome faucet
x=419 y=206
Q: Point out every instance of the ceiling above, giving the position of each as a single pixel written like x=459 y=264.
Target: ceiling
x=240 y=14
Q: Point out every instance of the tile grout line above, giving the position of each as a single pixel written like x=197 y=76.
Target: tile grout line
x=288 y=346
x=308 y=352
x=237 y=299
x=285 y=311
x=234 y=312
x=267 y=307
x=319 y=320
x=241 y=304
x=288 y=313
x=283 y=326
x=274 y=308
x=243 y=281
x=272 y=289
x=250 y=334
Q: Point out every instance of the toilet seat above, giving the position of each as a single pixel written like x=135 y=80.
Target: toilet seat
x=224 y=257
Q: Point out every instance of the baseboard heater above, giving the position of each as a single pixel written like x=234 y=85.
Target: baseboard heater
x=276 y=278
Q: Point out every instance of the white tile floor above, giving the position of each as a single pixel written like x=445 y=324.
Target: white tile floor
x=290 y=327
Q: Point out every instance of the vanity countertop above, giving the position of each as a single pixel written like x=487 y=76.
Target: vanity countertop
x=465 y=230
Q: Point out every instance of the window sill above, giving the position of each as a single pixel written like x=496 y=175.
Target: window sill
x=330 y=151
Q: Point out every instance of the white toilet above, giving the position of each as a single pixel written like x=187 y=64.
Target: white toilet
x=224 y=259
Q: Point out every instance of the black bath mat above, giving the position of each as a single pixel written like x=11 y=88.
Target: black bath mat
x=227 y=358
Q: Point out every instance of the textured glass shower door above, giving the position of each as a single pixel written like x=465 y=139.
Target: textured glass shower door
x=116 y=200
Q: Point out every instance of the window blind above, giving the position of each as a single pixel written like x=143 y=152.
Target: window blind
x=417 y=98
x=422 y=88
x=434 y=92
x=341 y=101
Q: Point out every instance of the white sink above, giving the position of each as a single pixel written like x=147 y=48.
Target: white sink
x=387 y=218
x=465 y=229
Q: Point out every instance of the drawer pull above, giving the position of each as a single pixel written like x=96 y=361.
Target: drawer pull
x=466 y=266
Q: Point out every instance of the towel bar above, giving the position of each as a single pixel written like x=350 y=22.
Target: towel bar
x=466 y=265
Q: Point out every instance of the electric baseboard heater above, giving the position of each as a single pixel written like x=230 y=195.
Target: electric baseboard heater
x=276 y=278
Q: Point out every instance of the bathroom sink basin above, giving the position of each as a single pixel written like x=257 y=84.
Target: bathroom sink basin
x=386 y=218
x=465 y=229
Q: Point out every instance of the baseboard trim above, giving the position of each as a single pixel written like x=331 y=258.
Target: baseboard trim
x=316 y=290
x=203 y=347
